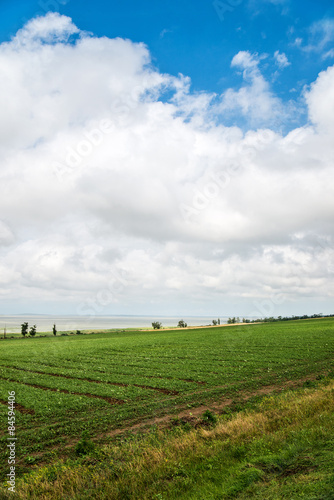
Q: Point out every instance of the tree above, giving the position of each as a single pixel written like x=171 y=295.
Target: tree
x=214 y=322
x=156 y=325
x=54 y=330
x=218 y=321
x=24 y=329
x=32 y=331
x=182 y=324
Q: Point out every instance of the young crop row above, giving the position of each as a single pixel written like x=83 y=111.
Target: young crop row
x=71 y=382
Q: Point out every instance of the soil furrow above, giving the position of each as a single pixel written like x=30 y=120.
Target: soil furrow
x=65 y=391
x=20 y=408
x=118 y=384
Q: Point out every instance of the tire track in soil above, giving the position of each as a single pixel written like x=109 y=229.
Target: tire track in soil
x=192 y=414
x=109 y=400
x=159 y=389
x=169 y=392
x=20 y=408
x=198 y=382
x=165 y=377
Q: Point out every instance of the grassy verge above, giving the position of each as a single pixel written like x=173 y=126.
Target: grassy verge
x=283 y=448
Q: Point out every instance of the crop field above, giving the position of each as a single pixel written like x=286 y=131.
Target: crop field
x=109 y=381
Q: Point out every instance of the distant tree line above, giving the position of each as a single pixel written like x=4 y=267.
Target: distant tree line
x=33 y=329
x=233 y=320
x=25 y=328
x=181 y=324
x=271 y=319
x=157 y=325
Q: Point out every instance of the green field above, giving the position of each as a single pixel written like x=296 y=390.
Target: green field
x=108 y=381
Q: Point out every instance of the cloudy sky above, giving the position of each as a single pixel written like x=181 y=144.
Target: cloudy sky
x=167 y=158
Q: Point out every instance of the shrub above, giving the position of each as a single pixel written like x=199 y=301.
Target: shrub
x=209 y=418
x=85 y=445
x=32 y=331
x=182 y=324
x=24 y=329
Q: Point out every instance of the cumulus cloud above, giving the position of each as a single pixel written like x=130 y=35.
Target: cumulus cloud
x=320 y=101
x=122 y=192
x=57 y=28
x=255 y=99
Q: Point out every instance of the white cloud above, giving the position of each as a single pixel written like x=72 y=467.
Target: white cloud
x=168 y=210
x=281 y=60
x=257 y=5
x=320 y=101
x=254 y=100
x=329 y=53
x=320 y=35
x=165 y=32
x=244 y=60
x=45 y=29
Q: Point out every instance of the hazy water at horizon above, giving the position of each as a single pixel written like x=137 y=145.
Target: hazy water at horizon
x=45 y=322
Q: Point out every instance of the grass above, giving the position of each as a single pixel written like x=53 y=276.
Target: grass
x=107 y=382
x=281 y=449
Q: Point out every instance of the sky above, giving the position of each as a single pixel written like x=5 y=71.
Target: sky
x=167 y=158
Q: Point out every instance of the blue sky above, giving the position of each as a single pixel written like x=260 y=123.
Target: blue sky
x=167 y=157
x=193 y=39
